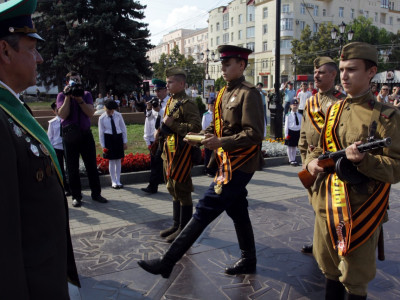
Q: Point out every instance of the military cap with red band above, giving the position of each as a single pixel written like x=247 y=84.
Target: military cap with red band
x=229 y=51
x=15 y=17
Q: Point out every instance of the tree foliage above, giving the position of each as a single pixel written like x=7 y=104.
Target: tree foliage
x=103 y=40
x=310 y=45
x=195 y=71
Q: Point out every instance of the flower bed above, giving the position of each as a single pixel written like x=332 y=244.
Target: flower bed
x=130 y=163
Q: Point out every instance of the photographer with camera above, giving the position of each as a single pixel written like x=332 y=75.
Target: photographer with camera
x=75 y=107
x=155 y=110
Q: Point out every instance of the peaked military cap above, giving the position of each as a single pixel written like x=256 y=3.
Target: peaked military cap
x=359 y=50
x=15 y=17
x=175 y=71
x=229 y=51
x=322 y=60
x=294 y=101
x=159 y=84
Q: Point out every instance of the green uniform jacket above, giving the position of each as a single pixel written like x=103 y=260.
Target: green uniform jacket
x=242 y=121
x=380 y=165
x=309 y=136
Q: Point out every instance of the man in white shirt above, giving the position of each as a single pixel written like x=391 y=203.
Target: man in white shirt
x=154 y=115
x=54 y=134
x=302 y=96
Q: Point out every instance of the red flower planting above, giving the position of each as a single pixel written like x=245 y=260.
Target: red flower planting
x=130 y=163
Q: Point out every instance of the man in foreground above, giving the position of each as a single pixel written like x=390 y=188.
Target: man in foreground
x=36 y=256
x=235 y=135
x=350 y=210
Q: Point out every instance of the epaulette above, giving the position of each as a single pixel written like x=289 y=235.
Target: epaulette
x=338 y=94
x=387 y=111
x=248 y=84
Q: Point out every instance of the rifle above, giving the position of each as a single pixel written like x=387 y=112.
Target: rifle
x=164 y=130
x=328 y=159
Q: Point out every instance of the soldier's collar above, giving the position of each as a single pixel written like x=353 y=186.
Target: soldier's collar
x=232 y=84
x=359 y=98
x=179 y=95
x=328 y=92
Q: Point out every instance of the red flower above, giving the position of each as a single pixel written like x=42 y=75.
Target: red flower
x=105 y=150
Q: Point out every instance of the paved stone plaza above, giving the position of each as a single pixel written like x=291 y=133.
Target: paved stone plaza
x=109 y=239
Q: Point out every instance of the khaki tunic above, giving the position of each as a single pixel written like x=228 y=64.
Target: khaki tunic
x=242 y=119
x=186 y=119
x=380 y=165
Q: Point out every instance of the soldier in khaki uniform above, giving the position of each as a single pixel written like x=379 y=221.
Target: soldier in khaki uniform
x=325 y=71
x=349 y=213
x=235 y=135
x=181 y=116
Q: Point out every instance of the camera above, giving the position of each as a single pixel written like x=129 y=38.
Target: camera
x=75 y=89
x=155 y=102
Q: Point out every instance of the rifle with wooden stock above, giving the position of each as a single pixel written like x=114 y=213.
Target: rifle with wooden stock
x=328 y=160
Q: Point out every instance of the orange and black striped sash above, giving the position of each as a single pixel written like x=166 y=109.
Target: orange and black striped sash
x=179 y=159
x=349 y=231
x=228 y=161
x=315 y=113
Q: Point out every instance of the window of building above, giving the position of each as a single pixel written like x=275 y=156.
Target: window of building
x=376 y=17
x=286 y=44
x=286 y=24
x=250 y=46
x=217 y=41
x=265 y=46
x=390 y=20
x=240 y=19
x=352 y=13
x=383 y=19
x=316 y=10
x=211 y=42
x=324 y=12
x=315 y=27
x=240 y=35
x=302 y=9
x=265 y=28
x=231 y=36
x=341 y=12
x=250 y=13
x=366 y=14
x=385 y=3
x=217 y=27
x=250 y=32
x=302 y=25
x=225 y=38
x=265 y=12
x=285 y=8
x=225 y=21
x=211 y=28
x=231 y=21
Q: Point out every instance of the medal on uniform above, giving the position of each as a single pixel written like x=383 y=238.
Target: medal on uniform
x=233 y=98
x=17 y=130
x=218 y=188
x=28 y=139
x=34 y=150
x=44 y=149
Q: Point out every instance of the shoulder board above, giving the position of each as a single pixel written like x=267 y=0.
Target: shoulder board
x=387 y=111
x=185 y=100
x=338 y=94
x=248 y=84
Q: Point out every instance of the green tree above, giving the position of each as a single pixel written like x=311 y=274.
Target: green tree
x=219 y=83
x=310 y=45
x=103 y=40
x=195 y=71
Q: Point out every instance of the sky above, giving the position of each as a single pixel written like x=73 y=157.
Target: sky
x=164 y=16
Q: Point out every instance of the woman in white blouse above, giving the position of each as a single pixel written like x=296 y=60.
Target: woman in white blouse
x=113 y=139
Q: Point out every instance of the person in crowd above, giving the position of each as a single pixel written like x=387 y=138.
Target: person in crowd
x=374 y=89
x=311 y=88
x=152 y=124
x=181 y=117
x=146 y=97
x=302 y=97
x=75 y=107
x=99 y=103
x=325 y=71
x=289 y=95
x=36 y=256
x=339 y=88
x=205 y=123
x=55 y=136
x=394 y=98
x=263 y=94
x=194 y=92
x=383 y=95
x=347 y=227
x=292 y=132
x=239 y=105
x=113 y=139
x=212 y=95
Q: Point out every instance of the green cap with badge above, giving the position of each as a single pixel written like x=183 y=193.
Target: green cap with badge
x=322 y=60
x=15 y=17
x=159 y=84
x=359 y=50
x=175 y=71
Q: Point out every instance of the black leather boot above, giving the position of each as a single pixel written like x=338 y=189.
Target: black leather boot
x=355 y=297
x=334 y=290
x=178 y=248
x=186 y=215
x=176 y=215
x=307 y=249
x=248 y=261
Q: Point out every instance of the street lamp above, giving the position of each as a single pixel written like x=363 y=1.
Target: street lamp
x=207 y=59
x=340 y=36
